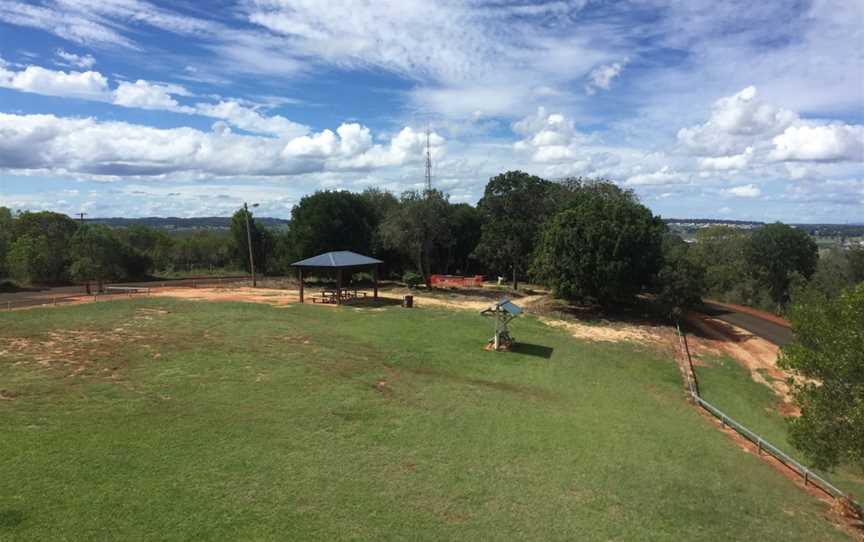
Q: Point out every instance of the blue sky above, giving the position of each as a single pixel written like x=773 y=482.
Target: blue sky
x=734 y=109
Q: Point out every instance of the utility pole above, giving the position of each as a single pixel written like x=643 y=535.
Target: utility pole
x=81 y=216
x=428 y=162
x=249 y=241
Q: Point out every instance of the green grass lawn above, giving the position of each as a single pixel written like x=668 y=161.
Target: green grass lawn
x=160 y=419
x=728 y=386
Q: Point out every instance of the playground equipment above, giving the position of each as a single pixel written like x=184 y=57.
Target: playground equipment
x=503 y=312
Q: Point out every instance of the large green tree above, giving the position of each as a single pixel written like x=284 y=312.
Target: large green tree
x=855 y=257
x=96 y=255
x=156 y=244
x=513 y=208
x=720 y=251
x=332 y=220
x=466 y=224
x=419 y=226
x=603 y=248
x=43 y=255
x=383 y=204
x=828 y=355
x=775 y=253
x=7 y=226
x=680 y=283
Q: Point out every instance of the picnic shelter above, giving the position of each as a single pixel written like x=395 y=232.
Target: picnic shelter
x=340 y=261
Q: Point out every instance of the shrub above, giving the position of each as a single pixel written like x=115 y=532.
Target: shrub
x=412 y=279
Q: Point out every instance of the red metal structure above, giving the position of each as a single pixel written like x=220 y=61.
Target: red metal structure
x=456 y=280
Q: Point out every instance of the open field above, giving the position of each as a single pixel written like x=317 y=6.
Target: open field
x=169 y=419
x=728 y=385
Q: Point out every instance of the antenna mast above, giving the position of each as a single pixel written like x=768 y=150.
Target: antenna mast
x=428 y=162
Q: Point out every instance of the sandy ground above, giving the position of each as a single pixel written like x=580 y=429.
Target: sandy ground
x=611 y=332
x=754 y=353
x=252 y=295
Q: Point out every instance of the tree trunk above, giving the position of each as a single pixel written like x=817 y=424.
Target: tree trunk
x=515 y=280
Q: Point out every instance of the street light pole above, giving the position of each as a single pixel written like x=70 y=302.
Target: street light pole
x=249 y=241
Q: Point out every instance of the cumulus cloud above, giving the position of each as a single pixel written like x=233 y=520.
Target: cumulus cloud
x=146 y=95
x=111 y=149
x=833 y=142
x=745 y=191
x=736 y=122
x=548 y=137
x=87 y=85
x=249 y=119
x=84 y=62
x=143 y=94
x=723 y=163
x=602 y=76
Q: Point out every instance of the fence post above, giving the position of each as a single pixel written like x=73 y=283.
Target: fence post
x=759 y=446
x=9 y=306
x=806 y=476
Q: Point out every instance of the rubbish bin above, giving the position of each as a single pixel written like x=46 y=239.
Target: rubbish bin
x=408 y=301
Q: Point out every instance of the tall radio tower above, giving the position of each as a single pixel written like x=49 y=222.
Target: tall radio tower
x=428 y=162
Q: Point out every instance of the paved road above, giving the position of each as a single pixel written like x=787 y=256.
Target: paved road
x=768 y=330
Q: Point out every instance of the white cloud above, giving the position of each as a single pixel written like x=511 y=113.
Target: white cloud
x=143 y=94
x=87 y=85
x=72 y=26
x=602 y=76
x=736 y=122
x=111 y=149
x=146 y=95
x=745 y=191
x=84 y=62
x=833 y=142
x=723 y=163
x=664 y=176
x=548 y=137
x=248 y=119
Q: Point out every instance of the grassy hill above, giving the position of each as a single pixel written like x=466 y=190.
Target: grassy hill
x=171 y=420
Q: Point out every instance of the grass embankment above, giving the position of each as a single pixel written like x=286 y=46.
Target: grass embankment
x=162 y=419
x=727 y=385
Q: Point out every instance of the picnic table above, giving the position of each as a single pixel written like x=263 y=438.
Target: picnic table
x=331 y=296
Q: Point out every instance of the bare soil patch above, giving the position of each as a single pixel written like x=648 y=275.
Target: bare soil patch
x=253 y=295
x=81 y=352
x=755 y=354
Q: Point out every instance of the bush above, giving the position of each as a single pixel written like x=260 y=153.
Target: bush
x=412 y=279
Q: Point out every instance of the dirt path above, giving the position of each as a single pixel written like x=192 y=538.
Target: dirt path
x=755 y=354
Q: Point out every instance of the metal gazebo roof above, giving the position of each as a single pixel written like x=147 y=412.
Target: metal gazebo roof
x=336 y=260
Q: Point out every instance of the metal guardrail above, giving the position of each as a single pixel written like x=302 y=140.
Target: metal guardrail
x=762 y=445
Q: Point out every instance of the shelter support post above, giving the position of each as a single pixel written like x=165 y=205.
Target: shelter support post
x=375 y=281
x=339 y=286
x=300 y=272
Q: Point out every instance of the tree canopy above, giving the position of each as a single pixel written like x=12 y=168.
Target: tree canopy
x=417 y=227
x=332 y=220
x=40 y=253
x=513 y=208
x=604 y=247
x=828 y=353
x=775 y=253
x=680 y=283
